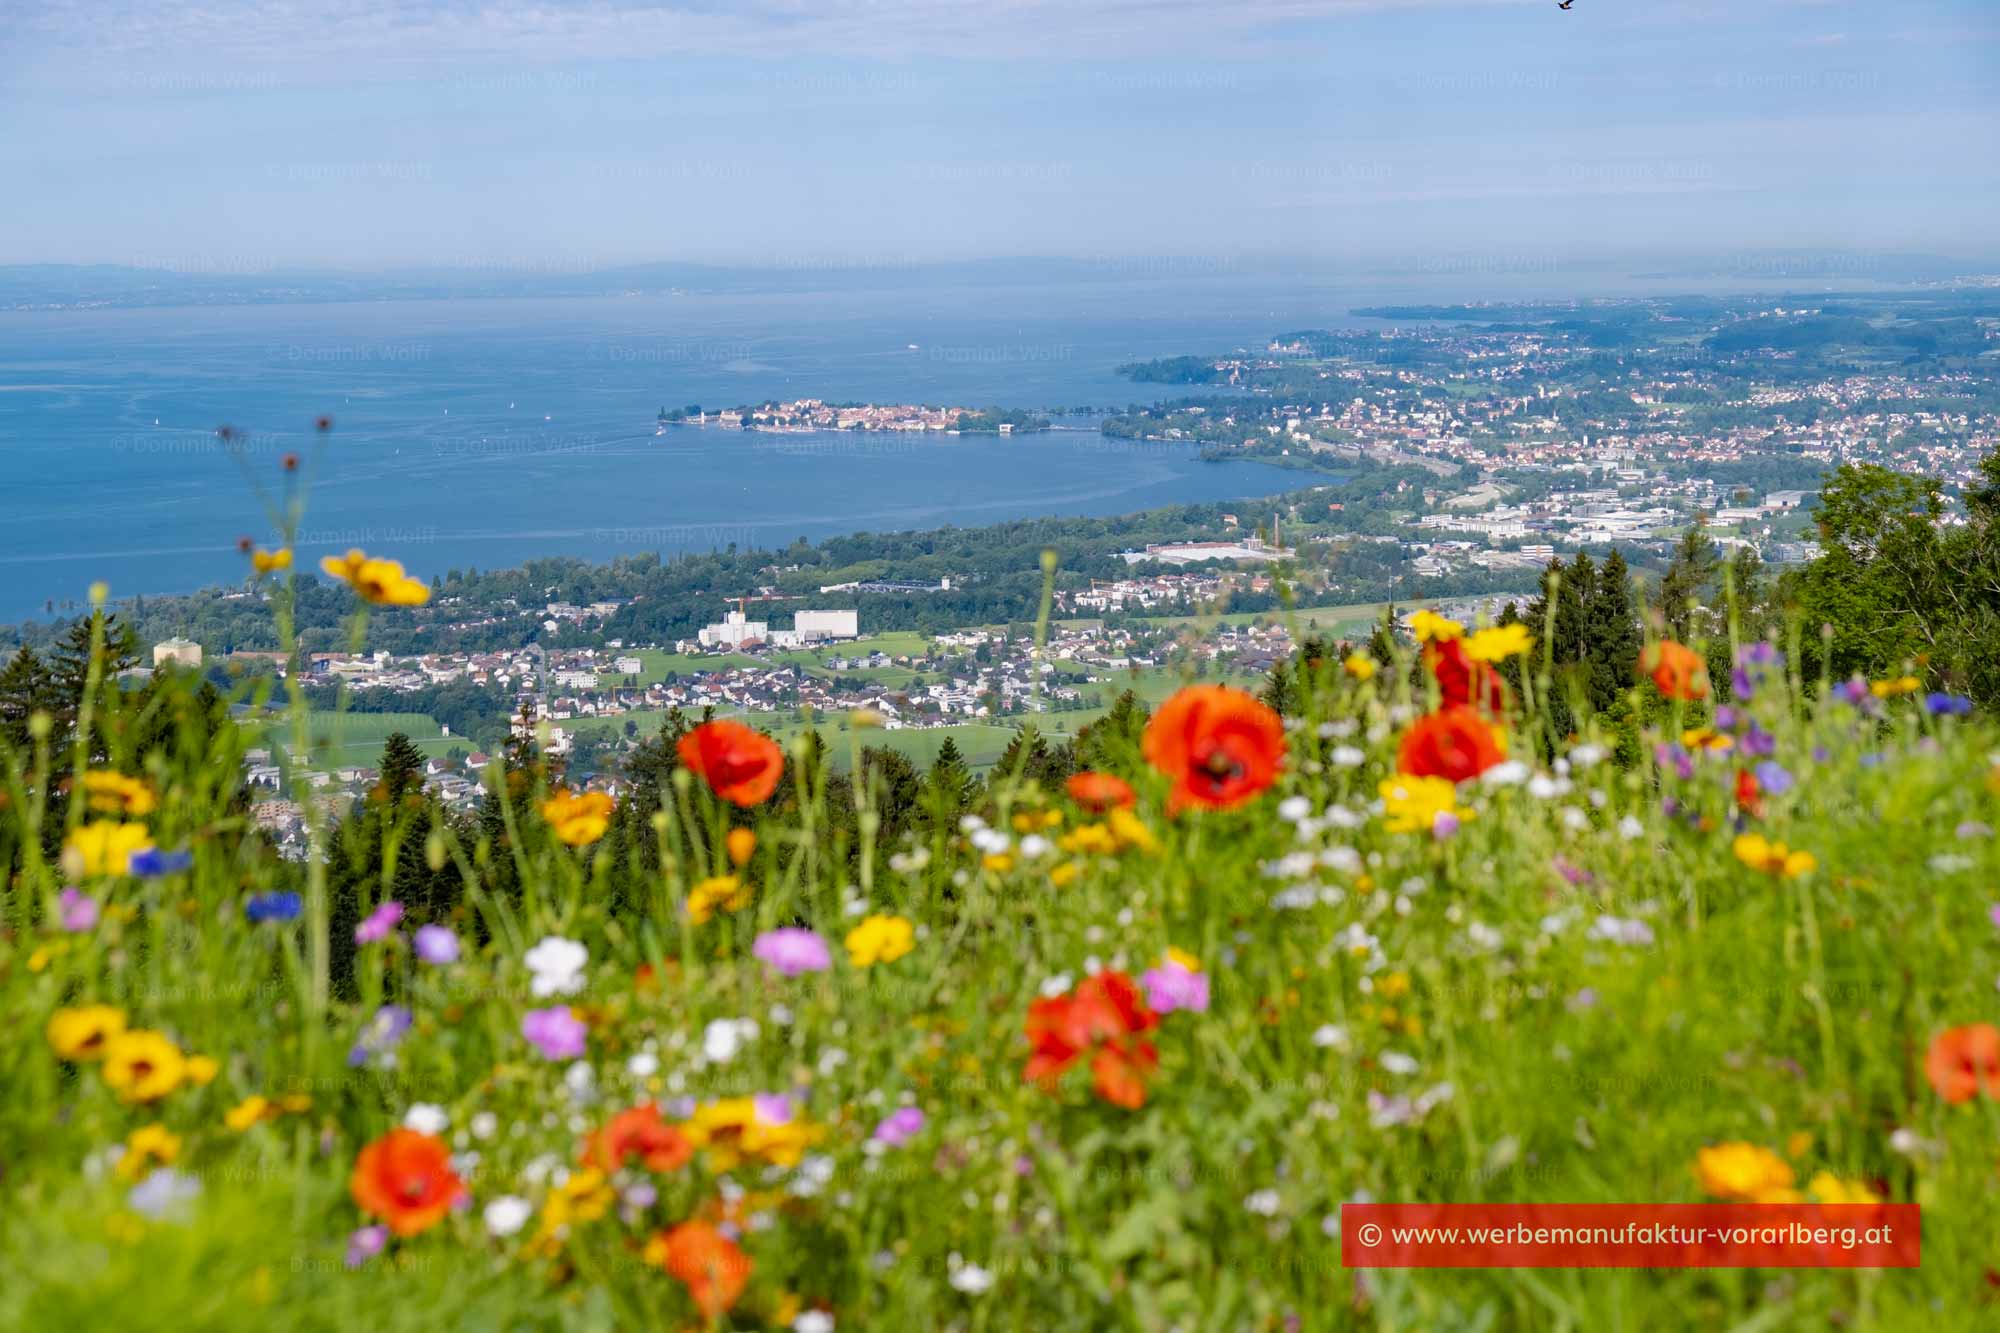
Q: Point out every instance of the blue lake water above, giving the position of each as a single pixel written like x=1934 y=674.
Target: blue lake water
x=483 y=433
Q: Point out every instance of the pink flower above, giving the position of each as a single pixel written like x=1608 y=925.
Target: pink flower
x=791 y=950
x=379 y=923
x=79 y=911
x=1171 y=986
x=556 y=1032
x=900 y=1126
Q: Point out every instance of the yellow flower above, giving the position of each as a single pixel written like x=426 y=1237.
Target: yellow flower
x=116 y=794
x=742 y=845
x=880 y=939
x=578 y=817
x=1883 y=689
x=202 y=1069
x=148 y=1144
x=1773 y=858
x=143 y=1066
x=1090 y=839
x=1184 y=958
x=265 y=562
x=1829 y=1188
x=248 y=1112
x=724 y=891
x=1360 y=666
x=381 y=582
x=1742 y=1171
x=1065 y=874
x=997 y=862
x=731 y=1131
x=1131 y=831
x=1499 y=643
x=295 y=1103
x=1429 y=626
x=83 y=1033
x=104 y=847
x=1707 y=738
x=39 y=960
x=584 y=1196
x=1413 y=805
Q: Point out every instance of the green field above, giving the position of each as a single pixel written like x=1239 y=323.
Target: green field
x=356 y=738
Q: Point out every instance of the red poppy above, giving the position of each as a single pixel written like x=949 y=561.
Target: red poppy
x=1220 y=746
x=1676 y=669
x=711 y=1265
x=1964 y=1062
x=739 y=764
x=1102 y=1017
x=1749 y=795
x=1462 y=680
x=1455 y=743
x=405 y=1178
x=1099 y=792
x=640 y=1133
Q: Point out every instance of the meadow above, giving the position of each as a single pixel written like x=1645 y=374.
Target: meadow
x=759 y=1052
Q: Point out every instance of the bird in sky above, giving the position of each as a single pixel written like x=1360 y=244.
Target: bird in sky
x=1565 y=4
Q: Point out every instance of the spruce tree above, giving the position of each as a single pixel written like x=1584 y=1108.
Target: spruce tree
x=1611 y=633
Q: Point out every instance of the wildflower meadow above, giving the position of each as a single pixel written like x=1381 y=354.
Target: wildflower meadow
x=763 y=1050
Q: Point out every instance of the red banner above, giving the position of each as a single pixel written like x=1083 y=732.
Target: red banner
x=1630 y=1235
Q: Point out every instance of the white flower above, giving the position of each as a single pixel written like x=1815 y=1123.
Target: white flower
x=1950 y=863
x=724 y=1037
x=971 y=1279
x=558 y=966
x=1622 y=931
x=970 y=823
x=1347 y=756
x=507 y=1214
x=1542 y=787
x=1264 y=1203
x=1294 y=808
x=1344 y=859
x=1510 y=774
x=830 y=1059
x=1035 y=845
x=485 y=1125
x=1295 y=899
x=1346 y=726
x=1055 y=985
x=1630 y=827
x=1339 y=816
x=1484 y=937
x=163 y=1192
x=1330 y=1036
x=991 y=841
x=1574 y=819
x=813 y=1321
x=643 y=1065
x=579 y=1077
x=1398 y=1063
x=1587 y=756
x=426 y=1119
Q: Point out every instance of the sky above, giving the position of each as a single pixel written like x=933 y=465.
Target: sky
x=247 y=135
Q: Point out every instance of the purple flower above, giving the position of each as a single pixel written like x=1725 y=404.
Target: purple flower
x=263 y=907
x=1939 y=704
x=79 y=910
x=1571 y=872
x=773 y=1108
x=900 y=1126
x=1773 y=778
x=1758 y=742
x=437 y=945
x=556 y=1032
x=1674 y=756
x=792 y=950
x=1993 y=915
x=1171 y=986
x=1444 y=826
x=151 y=862
x=1855 y=691
x=365 y=1244
x=379 y=923
x=1725 y=718
x=381 y=1035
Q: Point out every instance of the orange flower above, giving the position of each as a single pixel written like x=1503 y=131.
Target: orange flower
x=710 y=1263
x=578 y=818
x=740 y=765
x=640 y=1133
x=1677 y=669
x=1454 y=743
x=1964 y=1062
x=1098 y=792
x=742 y=845
x=1219 y=745
x=405 y=1178
x=1461 y=680
x=1103 y=1017
x=1749 y=795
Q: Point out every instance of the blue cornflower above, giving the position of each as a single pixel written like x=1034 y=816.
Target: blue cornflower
x=273 y=907
x=151 y=862
x=1940 y=704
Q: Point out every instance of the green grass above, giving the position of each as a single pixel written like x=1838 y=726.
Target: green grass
x=340 y=739
x=1565 y=997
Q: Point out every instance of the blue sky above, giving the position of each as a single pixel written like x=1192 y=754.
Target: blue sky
x=235 y=135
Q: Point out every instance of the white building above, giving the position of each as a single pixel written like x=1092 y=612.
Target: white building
x=179 y=652
x=810 y=625
x=734 y=631
x=628 y=666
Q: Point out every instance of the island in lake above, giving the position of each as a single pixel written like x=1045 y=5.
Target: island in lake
x=811 y=414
